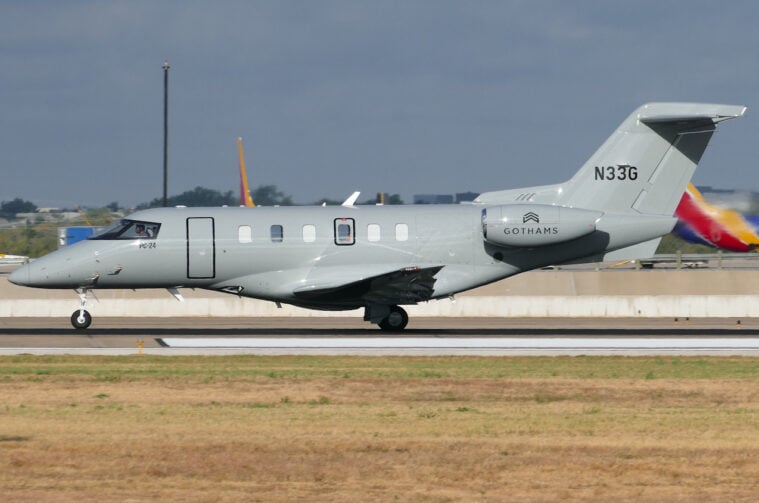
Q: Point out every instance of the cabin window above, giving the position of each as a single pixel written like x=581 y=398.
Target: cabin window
x=373 y=232
x=344 y=234
x=309 y=233
x=244 y=234
x=401 y=232
x=277 y=234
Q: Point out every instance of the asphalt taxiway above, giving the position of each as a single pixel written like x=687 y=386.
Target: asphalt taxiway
x=424 y=336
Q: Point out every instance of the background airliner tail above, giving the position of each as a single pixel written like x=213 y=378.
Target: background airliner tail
x=703 y=223
x=245 y=199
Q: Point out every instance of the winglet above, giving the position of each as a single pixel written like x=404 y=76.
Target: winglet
x=245 y=199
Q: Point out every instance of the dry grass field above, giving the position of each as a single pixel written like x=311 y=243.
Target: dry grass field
x=378 y=429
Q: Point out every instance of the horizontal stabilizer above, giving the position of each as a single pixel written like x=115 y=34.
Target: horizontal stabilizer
x=680 y=113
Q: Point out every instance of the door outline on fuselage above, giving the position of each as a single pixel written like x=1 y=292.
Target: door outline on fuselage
x=201 y=248
x=345 y=231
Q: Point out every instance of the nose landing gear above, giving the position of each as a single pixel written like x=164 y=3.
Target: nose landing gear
x=81 y=318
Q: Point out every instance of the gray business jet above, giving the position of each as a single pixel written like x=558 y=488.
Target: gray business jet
x=617 y=206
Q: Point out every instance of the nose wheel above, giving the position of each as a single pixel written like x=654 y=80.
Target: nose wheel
x=81 y=318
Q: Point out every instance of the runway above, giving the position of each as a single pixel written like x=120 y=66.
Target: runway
x=476 y=345
x=346 y=336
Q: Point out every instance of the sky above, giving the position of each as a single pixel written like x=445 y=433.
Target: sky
x=408 y=97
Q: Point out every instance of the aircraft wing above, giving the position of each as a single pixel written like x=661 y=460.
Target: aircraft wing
x=405 y=285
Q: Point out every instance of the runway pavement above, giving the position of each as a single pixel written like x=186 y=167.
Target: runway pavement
x=424 y=336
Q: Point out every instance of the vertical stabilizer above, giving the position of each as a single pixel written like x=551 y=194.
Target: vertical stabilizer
x=646 y=164
x=245 y=199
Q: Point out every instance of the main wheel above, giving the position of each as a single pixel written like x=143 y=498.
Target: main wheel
x=81 y=319
x=395 y=321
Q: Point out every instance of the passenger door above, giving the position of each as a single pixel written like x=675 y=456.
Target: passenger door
x=201 y=248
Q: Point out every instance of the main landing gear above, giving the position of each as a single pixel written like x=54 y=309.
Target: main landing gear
x=395 y=321
x=389 y=318
x=81 y=318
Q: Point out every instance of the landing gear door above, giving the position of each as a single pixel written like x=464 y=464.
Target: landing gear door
x=201 y=249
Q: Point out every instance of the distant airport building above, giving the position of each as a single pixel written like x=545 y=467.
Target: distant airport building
x=466 y=197
x=48 y=216
x=433 y=199
x=460 y=197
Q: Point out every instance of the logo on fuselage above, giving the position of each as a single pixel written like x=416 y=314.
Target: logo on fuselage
x=530 y=230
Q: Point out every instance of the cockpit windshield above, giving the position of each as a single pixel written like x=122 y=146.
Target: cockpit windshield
x=129 y=229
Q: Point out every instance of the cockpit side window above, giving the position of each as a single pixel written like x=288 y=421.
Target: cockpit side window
x=130 y=229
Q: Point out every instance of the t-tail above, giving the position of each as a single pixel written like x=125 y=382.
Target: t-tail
x=646 y=164
x=638 y=176
x=245 y=199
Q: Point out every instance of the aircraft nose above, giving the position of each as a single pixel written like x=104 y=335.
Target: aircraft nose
x=55 y=270
x=20 y=276
x=33 y=274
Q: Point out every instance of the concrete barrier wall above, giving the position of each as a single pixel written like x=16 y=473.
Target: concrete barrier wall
x=536 y=294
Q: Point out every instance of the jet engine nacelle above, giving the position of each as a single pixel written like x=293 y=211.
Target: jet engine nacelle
x=536 y=224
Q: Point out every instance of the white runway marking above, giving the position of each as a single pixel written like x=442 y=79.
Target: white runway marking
x=438 y=346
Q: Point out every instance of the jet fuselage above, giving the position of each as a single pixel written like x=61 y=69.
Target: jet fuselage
x=271 y=252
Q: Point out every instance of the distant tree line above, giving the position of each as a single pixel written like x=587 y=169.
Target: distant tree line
x=9 y=209
x=265 y=195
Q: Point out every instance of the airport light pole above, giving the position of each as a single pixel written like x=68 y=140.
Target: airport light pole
x=165 y=132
